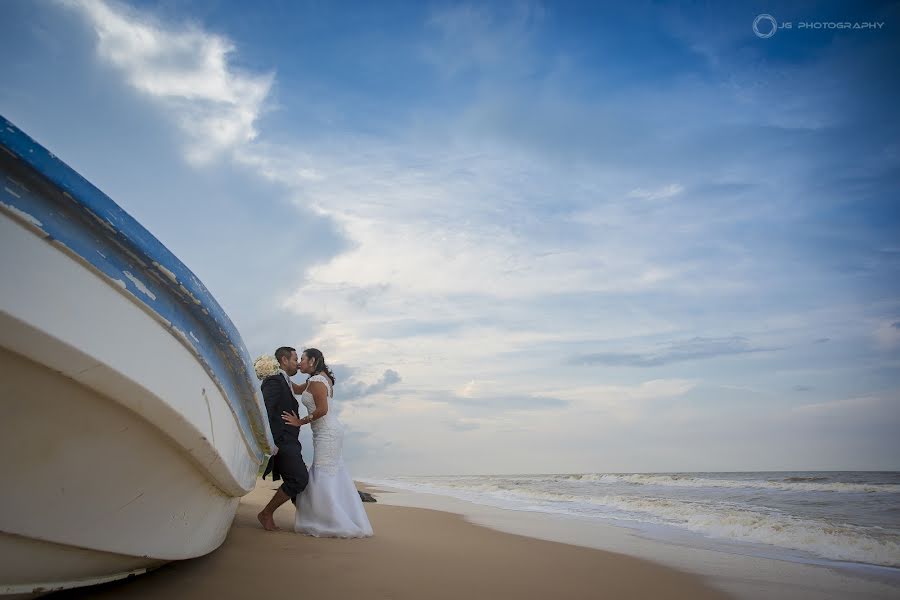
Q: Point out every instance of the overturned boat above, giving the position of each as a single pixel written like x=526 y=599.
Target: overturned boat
x=130 y=421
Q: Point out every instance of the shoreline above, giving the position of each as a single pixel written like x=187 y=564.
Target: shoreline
x=740 y=576
x=415 y=553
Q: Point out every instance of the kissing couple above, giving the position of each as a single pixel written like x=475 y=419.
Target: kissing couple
x=327 y=502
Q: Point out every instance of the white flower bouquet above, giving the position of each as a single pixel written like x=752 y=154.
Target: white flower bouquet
x=266 y=366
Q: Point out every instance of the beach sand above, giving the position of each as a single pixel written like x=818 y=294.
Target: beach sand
x=742 y=576
x=415 y=554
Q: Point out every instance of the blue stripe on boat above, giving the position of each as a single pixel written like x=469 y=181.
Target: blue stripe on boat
x=52 y=196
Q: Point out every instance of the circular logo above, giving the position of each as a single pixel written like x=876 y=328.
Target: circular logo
x=765 y=31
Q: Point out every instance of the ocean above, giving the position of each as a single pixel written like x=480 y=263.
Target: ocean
x=822 y=517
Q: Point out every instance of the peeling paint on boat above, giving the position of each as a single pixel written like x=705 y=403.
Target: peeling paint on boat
x=103 y=222
x=166 y=272
x=139 y=285
x=23 y=215
x=17 y=183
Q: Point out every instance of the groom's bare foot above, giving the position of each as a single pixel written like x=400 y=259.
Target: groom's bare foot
x=267 y=521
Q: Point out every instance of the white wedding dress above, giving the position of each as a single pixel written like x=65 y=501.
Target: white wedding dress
x=330 y=506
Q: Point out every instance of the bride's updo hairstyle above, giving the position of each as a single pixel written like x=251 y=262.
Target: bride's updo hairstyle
x=316 y=356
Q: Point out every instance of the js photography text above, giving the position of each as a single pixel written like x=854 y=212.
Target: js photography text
x=765 y=26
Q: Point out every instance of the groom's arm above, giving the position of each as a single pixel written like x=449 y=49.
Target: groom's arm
x=271 y=391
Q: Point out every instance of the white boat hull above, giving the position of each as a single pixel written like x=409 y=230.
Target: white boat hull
x=120 y=450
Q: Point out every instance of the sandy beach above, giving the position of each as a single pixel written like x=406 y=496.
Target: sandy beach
x=738 y=575
x=416 y=553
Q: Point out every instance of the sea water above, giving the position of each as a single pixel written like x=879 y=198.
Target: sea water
x=846 y=517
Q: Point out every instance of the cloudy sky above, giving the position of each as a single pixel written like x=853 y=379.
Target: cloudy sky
x=528 y=237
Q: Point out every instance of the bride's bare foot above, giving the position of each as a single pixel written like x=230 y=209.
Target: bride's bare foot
x=267 y=521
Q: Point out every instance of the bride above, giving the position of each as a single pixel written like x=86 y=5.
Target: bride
x=330 y=506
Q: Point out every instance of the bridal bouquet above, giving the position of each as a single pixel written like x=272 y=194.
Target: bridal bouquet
x=266 y=366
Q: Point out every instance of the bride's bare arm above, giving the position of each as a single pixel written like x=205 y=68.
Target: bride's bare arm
x=320 y=395
x=299 y=389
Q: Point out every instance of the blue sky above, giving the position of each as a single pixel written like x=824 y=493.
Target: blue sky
x=530 y=237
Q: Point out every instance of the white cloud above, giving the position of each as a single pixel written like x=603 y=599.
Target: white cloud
x=839 y=407
x=888 y=334
x=467 y=37
x=477 y=261
x=626 y=402
x=469 y=390
x=673 y=189
x=187 y=70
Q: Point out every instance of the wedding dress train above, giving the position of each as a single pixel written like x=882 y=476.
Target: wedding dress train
x=330 y=506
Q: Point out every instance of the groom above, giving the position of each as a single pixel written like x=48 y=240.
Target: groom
x=287 y=463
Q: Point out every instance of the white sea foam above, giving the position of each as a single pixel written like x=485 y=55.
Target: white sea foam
x=793 y=484
x=828 y=540
x=722 y=520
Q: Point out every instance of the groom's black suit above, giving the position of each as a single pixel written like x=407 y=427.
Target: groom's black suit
x=288 y=463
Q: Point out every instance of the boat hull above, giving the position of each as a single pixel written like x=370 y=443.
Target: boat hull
x=122 y=448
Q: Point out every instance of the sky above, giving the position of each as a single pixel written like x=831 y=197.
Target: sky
x=528 y=237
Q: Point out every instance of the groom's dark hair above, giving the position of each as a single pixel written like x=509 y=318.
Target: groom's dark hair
x=283 y=352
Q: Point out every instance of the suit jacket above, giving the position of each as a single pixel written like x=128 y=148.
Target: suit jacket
x=279 y=398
